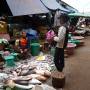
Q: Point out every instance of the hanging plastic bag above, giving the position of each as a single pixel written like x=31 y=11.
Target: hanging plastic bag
x=49 y=35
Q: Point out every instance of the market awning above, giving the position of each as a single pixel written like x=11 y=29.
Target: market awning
x=80 y=14
x=53 y=5
x=71 y=9
x=68 y=7
x=26 y=7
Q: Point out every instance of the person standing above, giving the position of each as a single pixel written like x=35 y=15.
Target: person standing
x=61 y=39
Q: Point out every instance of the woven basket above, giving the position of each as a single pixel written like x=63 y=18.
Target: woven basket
x=58 y=79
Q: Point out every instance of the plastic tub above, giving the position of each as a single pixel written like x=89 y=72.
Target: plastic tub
x=52 y=51
x=35 y=49
x=9 y=60
x=74 y=41
x=15 y=56
x=34 y=41
x=70 y=48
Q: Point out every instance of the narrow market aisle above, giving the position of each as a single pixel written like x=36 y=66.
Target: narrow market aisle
x=78 y=68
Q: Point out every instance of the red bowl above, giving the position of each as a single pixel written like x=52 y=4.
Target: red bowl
x=71 y=45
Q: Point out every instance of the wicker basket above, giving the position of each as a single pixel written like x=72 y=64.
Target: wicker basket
x=58 y=79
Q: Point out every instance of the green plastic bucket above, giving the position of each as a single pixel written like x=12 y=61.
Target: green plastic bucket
x=35 y=49
x=52 y=51
x=34 y=41
x=15 y=56
x=9 y=60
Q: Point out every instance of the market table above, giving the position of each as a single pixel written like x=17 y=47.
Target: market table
x=37 y=64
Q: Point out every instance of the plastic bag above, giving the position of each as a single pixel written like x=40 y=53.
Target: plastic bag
x=49 y=35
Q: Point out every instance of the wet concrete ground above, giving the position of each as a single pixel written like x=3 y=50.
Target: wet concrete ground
x=77 y=68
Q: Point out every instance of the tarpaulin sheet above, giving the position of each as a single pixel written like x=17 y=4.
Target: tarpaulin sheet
x=53 y=5
x=26 y=7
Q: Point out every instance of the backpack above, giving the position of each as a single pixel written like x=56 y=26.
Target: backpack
x=49 y=35
x=66 y=38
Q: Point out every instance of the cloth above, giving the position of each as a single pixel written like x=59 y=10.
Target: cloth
x=17 y=42
x=61 y=37
x=23 y=43
x=5 y=36
x=59 y=59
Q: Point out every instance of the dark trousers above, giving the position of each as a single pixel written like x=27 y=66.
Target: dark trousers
x=59 y=59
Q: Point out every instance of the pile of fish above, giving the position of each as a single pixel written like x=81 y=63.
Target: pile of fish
x=29 y=72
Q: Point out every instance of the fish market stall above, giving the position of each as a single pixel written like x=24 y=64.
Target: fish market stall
x=26 y=74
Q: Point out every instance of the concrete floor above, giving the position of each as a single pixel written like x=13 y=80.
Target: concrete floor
x=77 y=68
